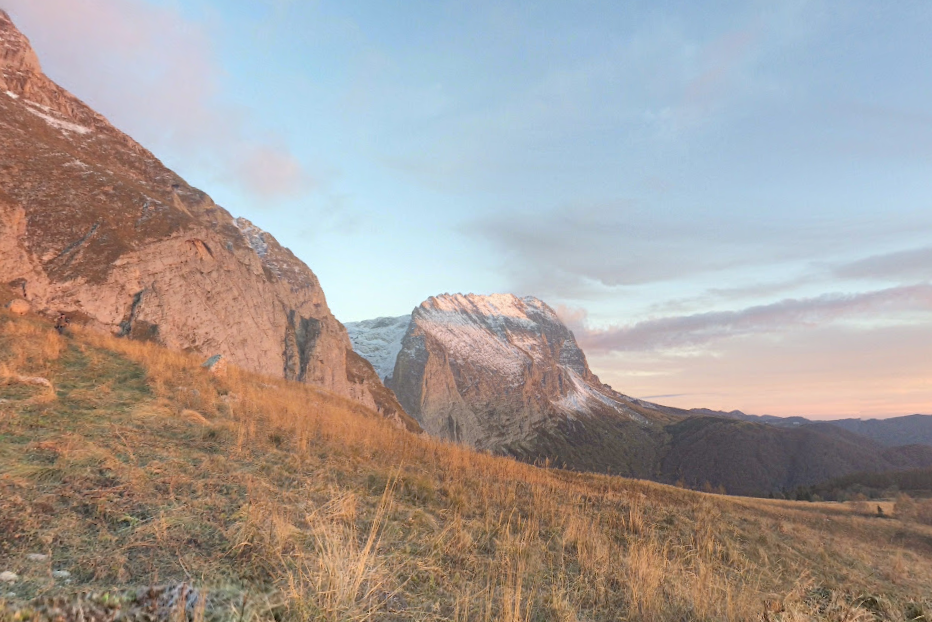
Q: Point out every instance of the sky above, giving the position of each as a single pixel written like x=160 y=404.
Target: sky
x=730 y=203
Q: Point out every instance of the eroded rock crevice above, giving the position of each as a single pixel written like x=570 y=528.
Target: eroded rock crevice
x=126 y=326
x=133 y=327
x=301 y=334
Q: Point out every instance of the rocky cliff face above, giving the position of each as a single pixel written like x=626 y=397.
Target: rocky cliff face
x=490 y=371
x=93 y=225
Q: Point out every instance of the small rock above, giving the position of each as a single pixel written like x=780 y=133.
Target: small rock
x=18 y=306
x=215 y=364
x=8 y=577
x=37 y=557
x=61 y=574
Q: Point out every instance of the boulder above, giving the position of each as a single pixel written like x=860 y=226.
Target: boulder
x=18 y=306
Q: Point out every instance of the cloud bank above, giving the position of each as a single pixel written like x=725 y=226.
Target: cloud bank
x=154 y=74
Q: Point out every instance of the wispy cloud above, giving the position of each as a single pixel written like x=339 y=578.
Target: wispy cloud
x=155 y=75
x=909 y=264
x=704 y=328
x=576 y=250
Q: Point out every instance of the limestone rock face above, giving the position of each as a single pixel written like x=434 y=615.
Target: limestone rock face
x=93 y=225
x=490 y=371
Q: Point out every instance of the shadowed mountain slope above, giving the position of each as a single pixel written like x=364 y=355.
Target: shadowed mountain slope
x=894 y=431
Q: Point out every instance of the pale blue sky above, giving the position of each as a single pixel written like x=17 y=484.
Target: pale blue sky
x=691 y=183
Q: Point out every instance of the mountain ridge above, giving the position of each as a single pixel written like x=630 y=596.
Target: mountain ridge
x=94 y=226
x=889 y=432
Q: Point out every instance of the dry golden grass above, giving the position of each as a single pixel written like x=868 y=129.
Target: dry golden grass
x=146 y=468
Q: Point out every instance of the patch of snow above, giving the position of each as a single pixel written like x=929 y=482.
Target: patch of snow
x=500 y=332
x=477 y=340
x=492 y=305
x=59 y=124
x=78 y=163
x=254 y=236
x=38 y=105
x=579 y=398
x=12 y=94
x=379 y=341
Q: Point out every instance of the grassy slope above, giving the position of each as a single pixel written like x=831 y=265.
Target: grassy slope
x=141 y=468
x=914 y=482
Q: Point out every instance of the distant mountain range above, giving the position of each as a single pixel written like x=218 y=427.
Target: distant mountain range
x=907 y=430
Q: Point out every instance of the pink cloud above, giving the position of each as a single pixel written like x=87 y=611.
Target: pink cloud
x=153 y=73
x=264 y=170
x=703 y=328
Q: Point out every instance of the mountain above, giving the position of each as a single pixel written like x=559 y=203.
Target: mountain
x=877 y=485
x=890 y=432
x=752 y=458
x=490 y=371
x=782 y=422
x=94 y=226
x=504 y=374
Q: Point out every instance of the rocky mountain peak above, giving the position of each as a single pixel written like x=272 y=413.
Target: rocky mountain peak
x=503 y=305
x=16 y=54
x=21 y=78
x=487 y=370
x=506 y=333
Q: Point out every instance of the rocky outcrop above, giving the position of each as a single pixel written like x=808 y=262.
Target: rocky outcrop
x=93 y=225
x=490 y=371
